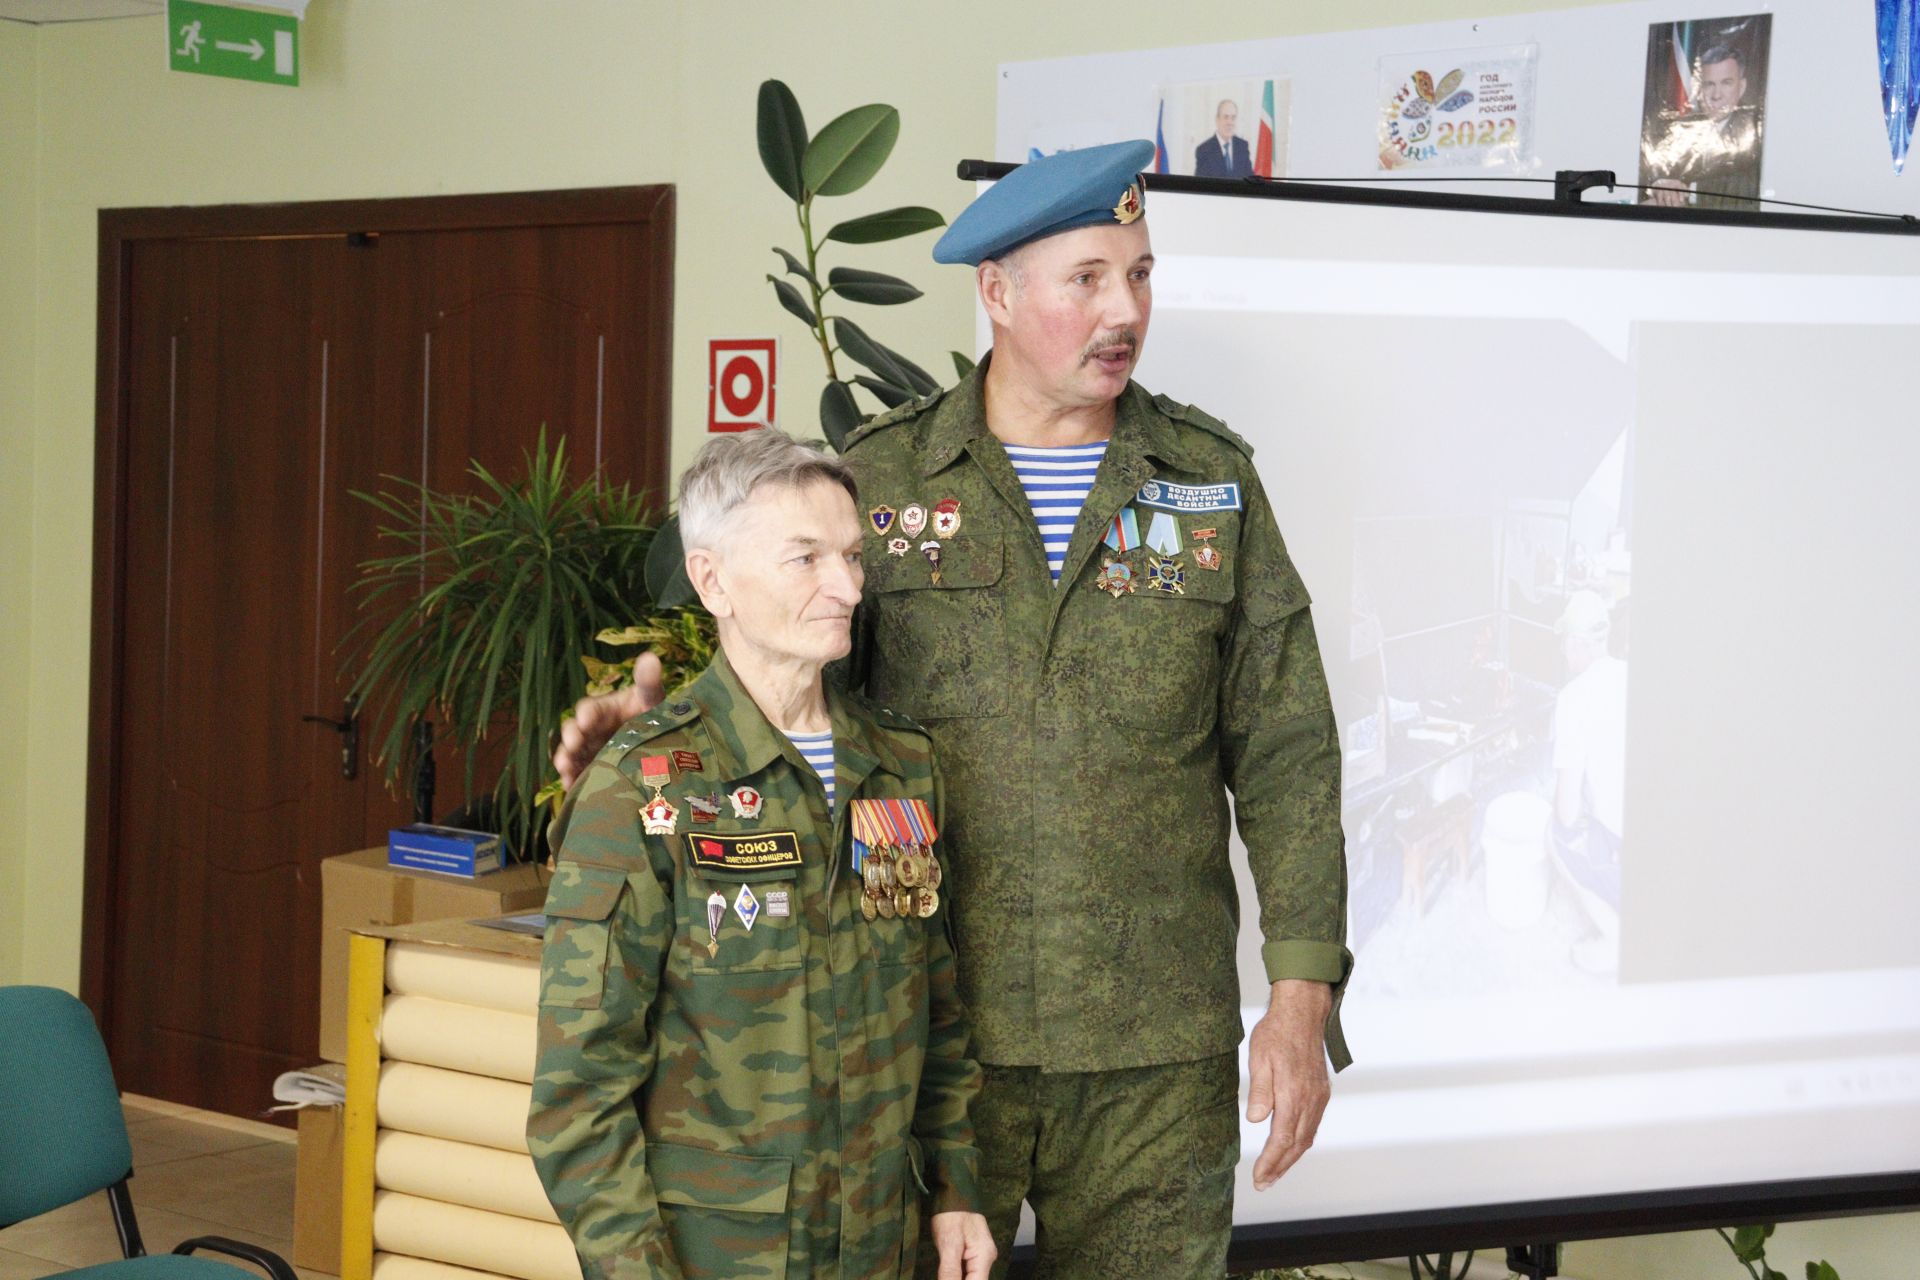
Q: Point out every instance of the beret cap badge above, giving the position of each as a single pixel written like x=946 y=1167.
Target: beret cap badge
x=1131 y=206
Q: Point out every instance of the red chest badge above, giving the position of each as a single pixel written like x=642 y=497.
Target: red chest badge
x=746 y=802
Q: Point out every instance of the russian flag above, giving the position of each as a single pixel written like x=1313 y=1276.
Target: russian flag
x=1682 y=86
x=1160 y=140
x=1263 y=145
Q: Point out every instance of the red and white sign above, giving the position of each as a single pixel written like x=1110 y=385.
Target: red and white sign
x=740 y=382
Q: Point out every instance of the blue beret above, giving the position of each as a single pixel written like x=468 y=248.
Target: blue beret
x=1043 y=197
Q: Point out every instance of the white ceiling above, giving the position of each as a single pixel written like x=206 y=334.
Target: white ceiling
x=78 y=10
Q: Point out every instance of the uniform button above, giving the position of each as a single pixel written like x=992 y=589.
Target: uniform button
x=680 y=708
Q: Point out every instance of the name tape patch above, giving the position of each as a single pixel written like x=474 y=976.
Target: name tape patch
x=755 y=852
x=1189 y=497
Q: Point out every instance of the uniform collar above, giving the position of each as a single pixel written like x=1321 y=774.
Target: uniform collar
x=1140 y=429
x=744 y=741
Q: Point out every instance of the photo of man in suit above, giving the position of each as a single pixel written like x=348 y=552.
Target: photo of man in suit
x=1224 y=154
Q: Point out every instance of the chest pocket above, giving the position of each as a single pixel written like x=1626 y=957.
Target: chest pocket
x=733 y=945
x=940 y=648
x=1172 y=679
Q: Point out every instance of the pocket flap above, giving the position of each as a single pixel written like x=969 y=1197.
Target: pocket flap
x=965 y=561
x=584 y=891
x=719 y=1179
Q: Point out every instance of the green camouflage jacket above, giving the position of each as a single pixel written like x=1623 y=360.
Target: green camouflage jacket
x=715 y=1097
x=1090 y=739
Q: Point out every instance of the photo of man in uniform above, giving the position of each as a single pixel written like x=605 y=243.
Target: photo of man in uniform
x=1704 y=120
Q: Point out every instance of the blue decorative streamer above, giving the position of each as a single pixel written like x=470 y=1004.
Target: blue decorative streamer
x=1899 y=26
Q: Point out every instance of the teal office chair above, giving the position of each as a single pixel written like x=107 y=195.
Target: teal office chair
x=63 y=1137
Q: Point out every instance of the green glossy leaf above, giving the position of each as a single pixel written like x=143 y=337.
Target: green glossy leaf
x=871 y=287
x=1750 y=1242
x=919 y=379
x=889 y=224
x=844 y=156
x=854 y=341
x=790 y=299
x=1822 y=1270
x=962 y=365
x=666 y=570
x=783 y=138
x=888 y=394
x=797 y=268
x=839 y=413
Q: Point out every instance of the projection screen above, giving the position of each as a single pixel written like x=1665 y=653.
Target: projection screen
x=1610 y=530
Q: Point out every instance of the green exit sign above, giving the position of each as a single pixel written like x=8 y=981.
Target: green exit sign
x=241 y=44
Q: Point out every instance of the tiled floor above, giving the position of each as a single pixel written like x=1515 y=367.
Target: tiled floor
x=195 y=1174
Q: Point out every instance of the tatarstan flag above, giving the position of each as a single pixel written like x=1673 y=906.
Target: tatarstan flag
x=1263 y=145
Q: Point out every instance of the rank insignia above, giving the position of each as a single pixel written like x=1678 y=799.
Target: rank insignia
x=1206 y=555
x=779 y=904
x=716 y=912
x=913 y=520
x=1124 y=533
x=898 y=546
x=1130 y=206
x=1167 y=575
x=687 y=761
x=881 y=519
x=746 y=802
x=1116 y=579
x=659 y=816
x=747 y=907
x=946 y=517
x=703 y=809
x=931 y=550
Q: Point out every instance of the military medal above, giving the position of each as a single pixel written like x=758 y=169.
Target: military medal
x=716 y=912
x=911 y=870
x=893 y=851
x=1116 y=579
x=881 y=518
x=657 y=815
x=1163 y=535
x=898 y=546
x=1206 y=555
x=747 y=907
x=746 y=802
x=913 y=520
x=1124 y=533
x=869 y=909
x=925 y=903
x=903 y=903
x=931 y=550
x=946 y=517
x=703 y=809
x=1166 y=575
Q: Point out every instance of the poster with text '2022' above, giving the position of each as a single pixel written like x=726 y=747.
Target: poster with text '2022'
x=1460 y=108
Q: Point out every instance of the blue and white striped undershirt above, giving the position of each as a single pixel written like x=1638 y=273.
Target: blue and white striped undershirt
x=817 y=750
x=1057 y=482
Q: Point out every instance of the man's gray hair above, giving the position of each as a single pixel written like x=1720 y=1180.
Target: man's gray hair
x=729 y=468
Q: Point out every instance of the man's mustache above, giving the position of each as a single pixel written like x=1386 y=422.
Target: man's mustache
x=1118 y=338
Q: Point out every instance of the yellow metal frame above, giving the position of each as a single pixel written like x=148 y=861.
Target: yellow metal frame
x=366 y=996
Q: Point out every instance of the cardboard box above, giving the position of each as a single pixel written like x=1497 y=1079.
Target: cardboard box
x=317 y=1186
x=359 y=890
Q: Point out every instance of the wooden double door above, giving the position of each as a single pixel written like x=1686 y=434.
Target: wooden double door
x=260 y=365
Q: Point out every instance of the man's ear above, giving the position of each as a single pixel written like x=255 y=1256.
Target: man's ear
x=703 y=571
x=996 y=288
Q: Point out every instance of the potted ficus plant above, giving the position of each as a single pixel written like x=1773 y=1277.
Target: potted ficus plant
x=478 y=620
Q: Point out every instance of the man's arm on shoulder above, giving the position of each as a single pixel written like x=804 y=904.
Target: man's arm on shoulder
x=610 y=924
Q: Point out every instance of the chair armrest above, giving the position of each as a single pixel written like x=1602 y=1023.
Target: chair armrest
x=266 y=1259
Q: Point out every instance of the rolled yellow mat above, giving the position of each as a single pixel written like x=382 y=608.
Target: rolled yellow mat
x=398 y=1266
x=473 y=1238
x=463 y=977
x=460 y=1173
x=456 y=1105
x=460 y=1037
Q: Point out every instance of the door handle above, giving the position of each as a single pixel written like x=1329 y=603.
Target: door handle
x=348 y=728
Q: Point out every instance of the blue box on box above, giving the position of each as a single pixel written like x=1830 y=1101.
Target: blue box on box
x=448 y=850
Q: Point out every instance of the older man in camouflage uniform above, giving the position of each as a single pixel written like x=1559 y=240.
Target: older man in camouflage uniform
x=1100 y=667
x=752 y=1056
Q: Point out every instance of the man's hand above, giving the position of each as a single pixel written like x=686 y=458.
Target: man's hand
x=595 y=719
x=1669 y=193
x=966 y=1246
x=1287 y=1070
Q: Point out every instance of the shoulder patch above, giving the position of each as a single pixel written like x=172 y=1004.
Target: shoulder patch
x=1205 y=421
x=899 y=413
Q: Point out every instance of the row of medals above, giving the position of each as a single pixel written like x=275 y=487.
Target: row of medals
x=899 y=882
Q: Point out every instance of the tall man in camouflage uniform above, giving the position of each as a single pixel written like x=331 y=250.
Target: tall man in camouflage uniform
x=748 y=1064
x=1096 y=684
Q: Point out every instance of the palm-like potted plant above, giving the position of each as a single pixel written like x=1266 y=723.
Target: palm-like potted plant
x=479 y=619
